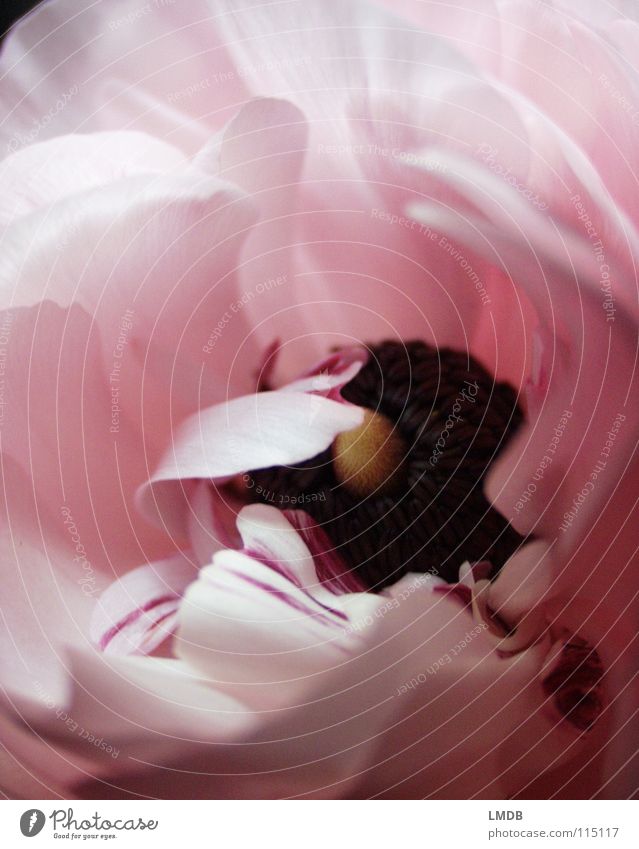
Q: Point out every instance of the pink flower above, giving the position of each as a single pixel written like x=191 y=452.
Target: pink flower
x=406 y=570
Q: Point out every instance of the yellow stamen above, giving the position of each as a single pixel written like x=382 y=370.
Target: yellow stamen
x=370 y=458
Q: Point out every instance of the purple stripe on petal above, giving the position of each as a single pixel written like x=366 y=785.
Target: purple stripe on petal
x=134 y=616
x=278 y=566
x=293 y=602
x=127 y=615
x=332 y=571
x=272 y=563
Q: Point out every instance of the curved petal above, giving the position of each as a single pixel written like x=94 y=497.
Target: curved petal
x=201 y=743
x=560 y=62
x=252 y=432
x=257 y=635
x=548 y=263
x=332 y=571
x=263 y=149
x=43 y=173
x=152 y=708
x=260 y=623
x=359 y=268
x=598 y=14
x=157 y=68
x=212 y=521
x=49 y=585
x=104 y=343
x=466 y=723
x=137 y=613
x=413 y=632
x=423 y=708
x=570 y=473
x=400 y=695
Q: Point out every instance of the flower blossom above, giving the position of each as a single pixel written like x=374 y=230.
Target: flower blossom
x=317 y=361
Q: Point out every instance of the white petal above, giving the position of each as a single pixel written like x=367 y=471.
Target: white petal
x=252 y=432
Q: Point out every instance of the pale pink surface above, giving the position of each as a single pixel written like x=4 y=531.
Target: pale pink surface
x=182 y=194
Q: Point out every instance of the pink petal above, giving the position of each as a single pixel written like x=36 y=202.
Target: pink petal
x=491 y=740
x=212 y=521
x=263 y=149
x=144 y=707
x=477 y=725
x=376 y=273
x=524 y=582
x=158 y=69
x=87 y=440
x=158 y=711
x=465 y=722
x=269 y=536
x=290 y=541
x=31 y=766
x=44 y=173
x=330 y=374
x=58 y=447
x=450 y=717
x=470 y=26
x=597 y=14
x=581 y=367
x=523 y=47
x=138 y=611
x=49 y=584
x=546 y=277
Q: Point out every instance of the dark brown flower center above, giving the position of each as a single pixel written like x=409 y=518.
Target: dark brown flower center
x=404 y=491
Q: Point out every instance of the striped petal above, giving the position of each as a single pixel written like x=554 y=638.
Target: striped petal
x=137 y=613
